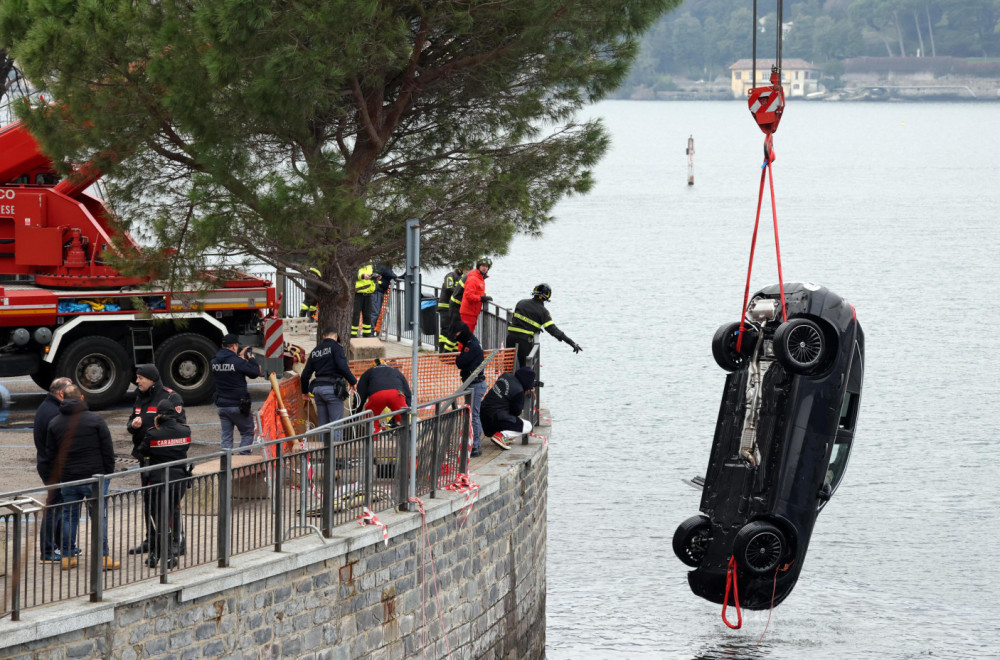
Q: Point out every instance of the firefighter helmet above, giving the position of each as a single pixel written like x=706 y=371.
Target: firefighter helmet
x=543 y=291
x=484 y=260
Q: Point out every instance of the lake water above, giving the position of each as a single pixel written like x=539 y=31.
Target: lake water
x=893 y=206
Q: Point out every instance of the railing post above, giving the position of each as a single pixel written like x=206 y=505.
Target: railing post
x=18 y=568
x=369 y=464
x=466 y=432
x=403 y=467
x=96 y=540
x=225 y=507
x=435 y=468
x=164 y=531
x=279 y=487
x=328 y=487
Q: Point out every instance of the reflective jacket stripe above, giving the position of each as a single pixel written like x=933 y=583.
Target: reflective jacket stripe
x=362 y=285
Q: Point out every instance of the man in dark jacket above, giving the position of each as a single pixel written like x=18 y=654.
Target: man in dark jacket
x=381 y=387
x=467 y=361
x=530 y=318
x=384 y=276
x=502 y=405
x=168 y=440
x=328 y=389
x=51 y=528
x=78 y=446
x=232 y=366
x=446 y=343
x=150 y=391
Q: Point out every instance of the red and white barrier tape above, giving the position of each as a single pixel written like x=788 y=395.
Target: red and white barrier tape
x=463 y=484
x=369 y=518
x=543 y=438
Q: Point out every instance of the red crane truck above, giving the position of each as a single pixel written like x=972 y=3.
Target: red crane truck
x=64 y=311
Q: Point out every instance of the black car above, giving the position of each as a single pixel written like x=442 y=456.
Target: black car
x=781 y=444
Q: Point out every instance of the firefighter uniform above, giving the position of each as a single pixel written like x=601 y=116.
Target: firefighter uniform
x=446 y=344
x=530 y=318
x=308 y=306
x=364 y=287
x=167 y=440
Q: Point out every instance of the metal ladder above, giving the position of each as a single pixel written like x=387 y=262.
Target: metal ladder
x=142 y=345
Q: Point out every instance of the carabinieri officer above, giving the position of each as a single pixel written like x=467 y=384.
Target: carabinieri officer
x=232 y=366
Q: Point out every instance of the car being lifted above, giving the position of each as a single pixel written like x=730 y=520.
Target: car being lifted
x=782 y=440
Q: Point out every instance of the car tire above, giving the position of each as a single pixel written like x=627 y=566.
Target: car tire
x=99 y=366
x=760 y=547
x=184 y=364
x=691 y=540
x=800 y=345
x=724 y=346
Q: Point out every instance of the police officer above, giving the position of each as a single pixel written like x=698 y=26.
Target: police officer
x=232 y=366
x=167 y=440
x=530 y=318
x=150 y=391
x=364 y=287
x=308 y=306
x=329 y=364
x=446 y=344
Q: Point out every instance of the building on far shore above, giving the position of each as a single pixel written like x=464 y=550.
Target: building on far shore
x=798 y=77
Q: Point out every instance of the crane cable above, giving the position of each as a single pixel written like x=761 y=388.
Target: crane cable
x=767 y=105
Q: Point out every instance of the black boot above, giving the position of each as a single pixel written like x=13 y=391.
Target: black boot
x=140 y=549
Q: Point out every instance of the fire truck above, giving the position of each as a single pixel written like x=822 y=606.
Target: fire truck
x=66 y=311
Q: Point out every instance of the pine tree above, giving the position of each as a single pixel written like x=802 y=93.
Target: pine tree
x=304 y=134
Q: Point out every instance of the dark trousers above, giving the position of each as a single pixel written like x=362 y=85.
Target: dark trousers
x=154 y=516
x=150 y=509
x=362 y=308
x=523 y=343
x=50 y=535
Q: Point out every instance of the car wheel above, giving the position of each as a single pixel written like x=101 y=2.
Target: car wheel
x=184 y=364
x=724 y=346
x=759 y=547
x=799 y=345
x=99 y=367
x=691 y=539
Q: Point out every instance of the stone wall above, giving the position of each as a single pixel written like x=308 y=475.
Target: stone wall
x=351 y=597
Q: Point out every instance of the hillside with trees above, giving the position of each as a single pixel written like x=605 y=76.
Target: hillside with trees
x=701 y=38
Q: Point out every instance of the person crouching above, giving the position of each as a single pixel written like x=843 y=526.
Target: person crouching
x=502 y=405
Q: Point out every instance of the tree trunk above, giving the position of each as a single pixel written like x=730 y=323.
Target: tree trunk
x=899 y=32
x=334 y=305
x=920 y=34
x=930 y=28
x=888 y=48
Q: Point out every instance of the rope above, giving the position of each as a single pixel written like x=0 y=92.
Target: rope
x=765 y=171
x=425 y=551
x=464 y=484
x=369 y=518
x=731 y=582
x=774 y=590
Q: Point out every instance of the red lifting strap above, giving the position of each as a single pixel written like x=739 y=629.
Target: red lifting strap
x=731 y=581
x=765 y=170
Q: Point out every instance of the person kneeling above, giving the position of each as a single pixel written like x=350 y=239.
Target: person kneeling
x=502 y=405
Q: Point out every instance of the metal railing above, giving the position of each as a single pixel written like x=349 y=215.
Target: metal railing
x=226 y=504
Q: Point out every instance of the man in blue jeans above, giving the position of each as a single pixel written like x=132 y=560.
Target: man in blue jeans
x=329 y=388
x=232 y=366
x=468 y=360
x=78 y=446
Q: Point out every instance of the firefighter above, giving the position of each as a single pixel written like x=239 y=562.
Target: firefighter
x=330 y=386
x=474 y=294
x=364 y=287
x=384 y=276
x=383 y=386
x=149 y=392
x=308 y=306
x=445 y=342
x=167 y=440
x=530 y=318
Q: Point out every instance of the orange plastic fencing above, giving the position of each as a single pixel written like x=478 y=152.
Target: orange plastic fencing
x=270 y=419
x=438 y=376
x=381 y=314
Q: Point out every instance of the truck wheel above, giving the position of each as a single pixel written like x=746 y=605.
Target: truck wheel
x=99 y=366
x=183 y=361
x=44 y=376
